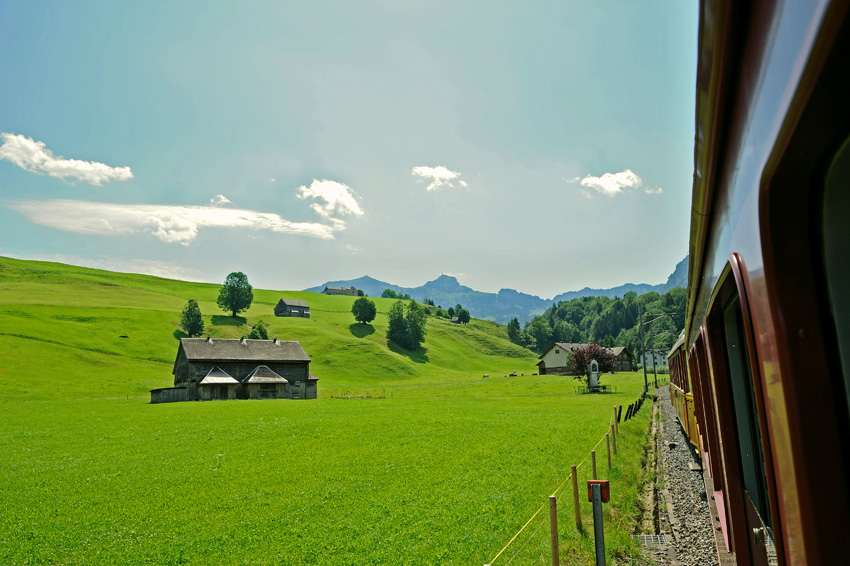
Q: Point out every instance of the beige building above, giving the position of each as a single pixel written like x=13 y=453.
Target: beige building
x=555 y=359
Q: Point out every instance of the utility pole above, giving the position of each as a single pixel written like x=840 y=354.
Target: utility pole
x=642 y=351
x=654 y=368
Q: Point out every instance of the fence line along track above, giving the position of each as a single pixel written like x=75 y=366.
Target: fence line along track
x=562 y=488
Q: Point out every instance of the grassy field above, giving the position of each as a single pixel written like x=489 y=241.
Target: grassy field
x=416 y=459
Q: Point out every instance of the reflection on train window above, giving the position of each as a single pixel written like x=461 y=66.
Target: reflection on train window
x=744 y=406
x=836 y=238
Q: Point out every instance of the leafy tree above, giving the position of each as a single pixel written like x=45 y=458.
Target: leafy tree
x=514 y=331
x=414 y=322
x=540 y=333
x=581 y=358
x=236 y=294
x=360 y=293
x=364 y=310
x=451 y=312
x=441 y=313
x=463 y=316
x=259 y=331
x=406 y=326
x=388 y=294
x=192 y=322
x=396 y=330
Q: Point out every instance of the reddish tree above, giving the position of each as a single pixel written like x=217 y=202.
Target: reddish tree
x=581 y=357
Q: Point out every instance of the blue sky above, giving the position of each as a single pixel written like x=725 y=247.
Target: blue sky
x=539 y=146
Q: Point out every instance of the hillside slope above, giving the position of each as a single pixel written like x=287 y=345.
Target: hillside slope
x=59 y=322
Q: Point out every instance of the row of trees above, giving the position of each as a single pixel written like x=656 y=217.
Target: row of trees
x=390 y=294
x=611 y=322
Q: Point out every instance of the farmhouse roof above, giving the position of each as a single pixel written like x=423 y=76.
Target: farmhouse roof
x=221 y=349
x=294 y=303
x=264 y=374
x=217 y=376
x=617 y=350
x=312 y=377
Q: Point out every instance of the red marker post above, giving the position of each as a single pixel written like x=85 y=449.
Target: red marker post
x=598 y=492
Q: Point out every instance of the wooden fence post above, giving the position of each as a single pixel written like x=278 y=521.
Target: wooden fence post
x=575 y=496
x=553 y=528
x=614 y=439
x=593 y=461
x=608 y=443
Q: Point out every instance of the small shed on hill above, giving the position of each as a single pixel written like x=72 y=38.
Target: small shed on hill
x=217 y=369
x=292 y=307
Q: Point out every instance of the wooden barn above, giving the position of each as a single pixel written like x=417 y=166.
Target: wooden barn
x=217 y=369
x=292 y=307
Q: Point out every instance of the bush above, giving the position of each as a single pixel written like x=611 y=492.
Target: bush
x=259 y=332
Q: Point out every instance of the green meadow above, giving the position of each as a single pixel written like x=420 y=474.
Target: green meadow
x=405 y=458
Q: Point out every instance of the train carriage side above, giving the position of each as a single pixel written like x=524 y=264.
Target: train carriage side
x=760 y=381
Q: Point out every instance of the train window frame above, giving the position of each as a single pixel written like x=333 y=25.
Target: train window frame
x=732 y=289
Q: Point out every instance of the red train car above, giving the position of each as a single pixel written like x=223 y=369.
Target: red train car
x=761 y=377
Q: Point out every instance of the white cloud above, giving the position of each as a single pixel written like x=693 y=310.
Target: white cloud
x=438 y=176
x=219 y=200
x=33 y=156
x=613 y=184
x=171 y=224
x=338 y=200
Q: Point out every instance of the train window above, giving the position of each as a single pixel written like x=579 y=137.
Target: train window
x=744 y=409
x=836 y=238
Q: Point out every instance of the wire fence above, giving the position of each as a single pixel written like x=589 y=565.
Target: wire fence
x=613 y=425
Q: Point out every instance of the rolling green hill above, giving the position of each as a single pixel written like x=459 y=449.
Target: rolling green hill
x=54 y=312
x=415 y=459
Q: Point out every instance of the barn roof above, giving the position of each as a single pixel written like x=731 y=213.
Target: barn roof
x=264 y=374
x=294 y=303
x=232 y=350
x=217 y=376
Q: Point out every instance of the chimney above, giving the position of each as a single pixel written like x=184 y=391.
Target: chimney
x=275 y=339
x=242 y=339
x=208 y=339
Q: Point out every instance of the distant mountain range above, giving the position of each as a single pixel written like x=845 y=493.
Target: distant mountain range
x=501 y=307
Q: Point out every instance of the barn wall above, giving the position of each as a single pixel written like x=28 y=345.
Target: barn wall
x=169 y=395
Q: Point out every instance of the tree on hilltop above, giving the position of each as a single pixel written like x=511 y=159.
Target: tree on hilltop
x=463 y=316
x=191 y=321
x=364 y=310
x=236 y=294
